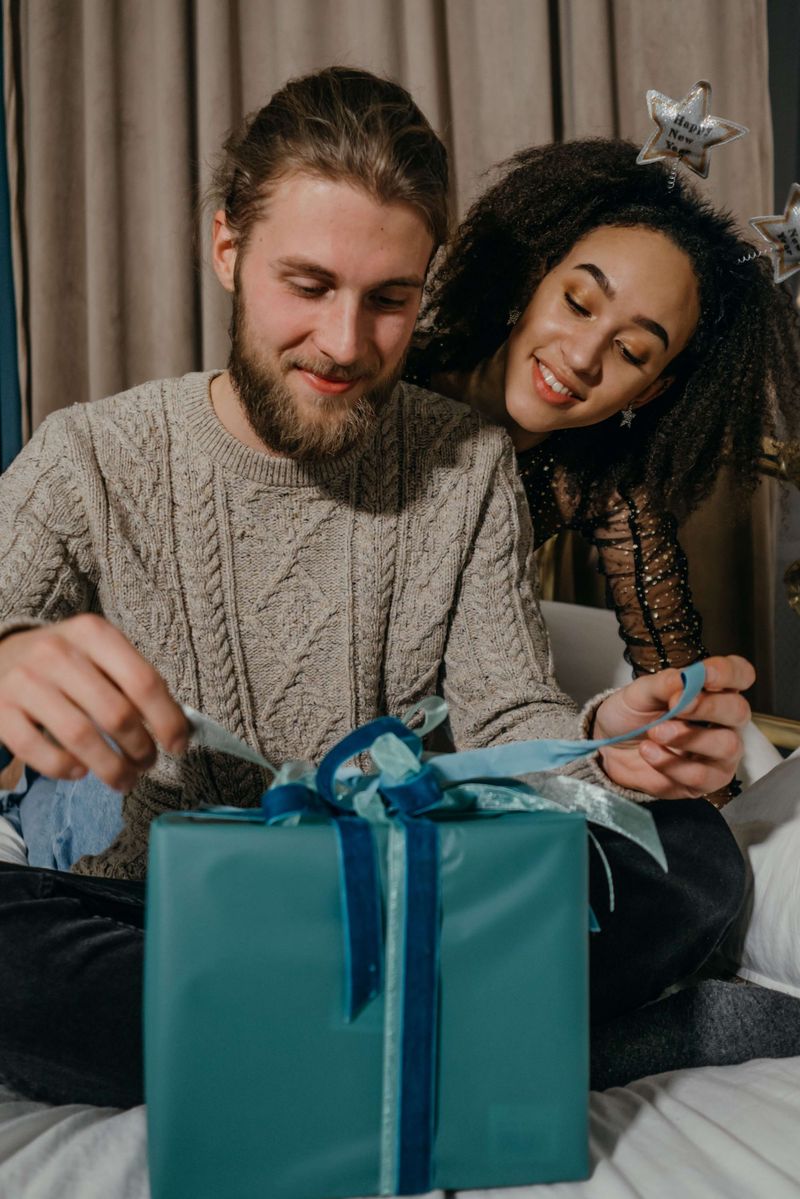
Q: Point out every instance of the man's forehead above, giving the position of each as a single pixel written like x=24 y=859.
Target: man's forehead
x=320 y=221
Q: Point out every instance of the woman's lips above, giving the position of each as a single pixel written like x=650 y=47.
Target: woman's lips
x=328 y=386
x=545 y=391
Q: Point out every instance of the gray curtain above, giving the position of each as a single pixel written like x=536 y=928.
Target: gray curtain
x=123 y=103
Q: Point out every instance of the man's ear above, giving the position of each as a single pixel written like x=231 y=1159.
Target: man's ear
x=656 y=388
x=224 y=246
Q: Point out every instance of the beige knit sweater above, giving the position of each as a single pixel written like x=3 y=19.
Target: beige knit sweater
x=289 y=601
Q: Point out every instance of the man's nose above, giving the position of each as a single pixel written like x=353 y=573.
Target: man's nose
x=341 y=333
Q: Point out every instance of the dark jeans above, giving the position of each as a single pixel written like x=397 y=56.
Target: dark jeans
x=71 y=951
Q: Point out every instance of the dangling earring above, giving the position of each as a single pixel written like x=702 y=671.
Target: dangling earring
x=513 y=316
x=627 y=415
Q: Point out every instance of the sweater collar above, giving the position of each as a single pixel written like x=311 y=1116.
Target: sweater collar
x=211 y=436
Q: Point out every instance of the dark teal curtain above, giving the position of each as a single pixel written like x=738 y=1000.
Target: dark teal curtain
x=10 y=408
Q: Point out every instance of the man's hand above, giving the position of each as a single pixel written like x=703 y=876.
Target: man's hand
x=64 y=688
x=694 y=755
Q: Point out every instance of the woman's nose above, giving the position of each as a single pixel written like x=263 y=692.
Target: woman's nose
x=583 y=351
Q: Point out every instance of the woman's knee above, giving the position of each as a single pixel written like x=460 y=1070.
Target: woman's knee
x=707 y=873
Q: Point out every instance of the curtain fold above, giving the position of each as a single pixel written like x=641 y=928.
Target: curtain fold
x=125 y=105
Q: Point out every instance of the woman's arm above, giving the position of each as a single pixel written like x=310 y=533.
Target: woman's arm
x=647 y=581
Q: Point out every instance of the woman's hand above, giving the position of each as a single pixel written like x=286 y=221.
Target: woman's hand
x=691 y=756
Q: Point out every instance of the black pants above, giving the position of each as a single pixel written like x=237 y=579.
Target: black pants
x=71 y=952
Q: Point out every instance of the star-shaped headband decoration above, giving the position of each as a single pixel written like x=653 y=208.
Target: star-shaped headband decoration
x=783 y=231
x=685 y=131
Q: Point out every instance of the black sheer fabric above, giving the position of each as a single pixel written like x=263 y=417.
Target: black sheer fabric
x=638 y=552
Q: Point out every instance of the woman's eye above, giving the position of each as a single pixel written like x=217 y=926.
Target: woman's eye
x=628 y=356
x=575 y=306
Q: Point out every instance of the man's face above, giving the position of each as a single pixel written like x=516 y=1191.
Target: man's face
x=326 y=292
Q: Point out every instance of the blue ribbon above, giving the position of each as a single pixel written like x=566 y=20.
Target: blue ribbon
x=403 y=791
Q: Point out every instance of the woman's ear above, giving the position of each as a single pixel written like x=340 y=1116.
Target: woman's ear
x=224 y=245
x=655 y=389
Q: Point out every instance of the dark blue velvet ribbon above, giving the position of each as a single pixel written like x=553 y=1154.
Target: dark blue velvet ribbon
x=403 y=802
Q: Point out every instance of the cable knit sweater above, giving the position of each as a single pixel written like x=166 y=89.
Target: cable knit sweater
x=289 y=601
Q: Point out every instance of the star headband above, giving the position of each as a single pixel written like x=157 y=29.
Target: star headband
x=686 y=132
x=783 y=232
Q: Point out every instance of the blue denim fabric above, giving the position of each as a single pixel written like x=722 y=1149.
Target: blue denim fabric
x=60 y=821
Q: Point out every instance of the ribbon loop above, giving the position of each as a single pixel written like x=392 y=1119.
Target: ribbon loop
x=358 y=742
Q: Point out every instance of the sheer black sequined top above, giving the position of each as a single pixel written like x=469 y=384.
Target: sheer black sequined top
x=639 y=554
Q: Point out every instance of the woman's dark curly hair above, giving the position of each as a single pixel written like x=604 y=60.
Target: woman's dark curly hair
x=735 y=382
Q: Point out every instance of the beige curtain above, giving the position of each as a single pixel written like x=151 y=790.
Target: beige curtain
x=121 y=104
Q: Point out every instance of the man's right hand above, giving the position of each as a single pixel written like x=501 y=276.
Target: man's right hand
x=79 y=680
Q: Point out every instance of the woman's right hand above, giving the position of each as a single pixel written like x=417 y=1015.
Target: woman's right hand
x=66 y=687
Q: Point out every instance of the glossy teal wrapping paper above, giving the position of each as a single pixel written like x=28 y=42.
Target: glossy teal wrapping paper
x=256 y=1085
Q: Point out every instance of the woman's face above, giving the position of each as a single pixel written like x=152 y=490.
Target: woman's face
x=600 y=330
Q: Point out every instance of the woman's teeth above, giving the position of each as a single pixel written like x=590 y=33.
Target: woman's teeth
x=553 y=383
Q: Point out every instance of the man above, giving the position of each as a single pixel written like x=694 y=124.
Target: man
x=295 y=546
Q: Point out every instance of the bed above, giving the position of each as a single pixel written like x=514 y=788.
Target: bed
x=712 y=1133
x=717 y=1133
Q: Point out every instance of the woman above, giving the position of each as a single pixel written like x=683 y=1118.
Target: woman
x=614 y=323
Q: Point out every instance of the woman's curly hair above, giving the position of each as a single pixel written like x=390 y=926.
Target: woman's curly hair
x=735 y=382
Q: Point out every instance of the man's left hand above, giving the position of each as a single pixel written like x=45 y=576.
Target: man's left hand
x=695 y=754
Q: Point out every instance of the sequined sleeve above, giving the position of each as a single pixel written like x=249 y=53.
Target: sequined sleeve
x=647 y=582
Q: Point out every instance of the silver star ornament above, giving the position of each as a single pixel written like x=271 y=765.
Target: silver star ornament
x=783 y=231
x=685 y=130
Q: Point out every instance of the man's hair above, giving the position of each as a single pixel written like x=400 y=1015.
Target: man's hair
x=342 y=124
x=736 y=381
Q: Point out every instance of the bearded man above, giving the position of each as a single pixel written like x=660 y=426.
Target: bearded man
x=293 y=546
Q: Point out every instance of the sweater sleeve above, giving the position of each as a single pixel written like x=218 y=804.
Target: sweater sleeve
x=45 y=565
x=647 y=582
x=498 y=675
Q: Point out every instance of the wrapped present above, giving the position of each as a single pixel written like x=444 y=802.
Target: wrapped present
x=376 y=983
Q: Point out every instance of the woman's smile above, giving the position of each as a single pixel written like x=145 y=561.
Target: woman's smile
x=550 y=387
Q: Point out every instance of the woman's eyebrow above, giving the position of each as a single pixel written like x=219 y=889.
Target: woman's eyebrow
x=599 y=277
x=653 y=327
x=602 y=281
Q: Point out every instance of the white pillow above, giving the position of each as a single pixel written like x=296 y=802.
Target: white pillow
x=765 y=819
x=12 y=847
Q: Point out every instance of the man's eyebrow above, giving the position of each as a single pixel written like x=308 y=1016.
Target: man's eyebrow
x=306 y=267
x=602 y=282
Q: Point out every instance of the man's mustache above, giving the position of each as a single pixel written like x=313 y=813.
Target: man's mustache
x=329 y=369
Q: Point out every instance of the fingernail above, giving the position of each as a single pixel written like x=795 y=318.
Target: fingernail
x=77 y=772
x=179 y=745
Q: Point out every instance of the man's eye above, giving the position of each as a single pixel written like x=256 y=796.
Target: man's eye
x=306 y=289
x=575 y=306
x=389 y=303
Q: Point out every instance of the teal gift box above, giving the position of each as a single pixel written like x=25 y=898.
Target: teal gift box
x=257 y=1084
x=287 y=1054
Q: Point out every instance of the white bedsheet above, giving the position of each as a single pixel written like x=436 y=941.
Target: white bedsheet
x=730 y=1132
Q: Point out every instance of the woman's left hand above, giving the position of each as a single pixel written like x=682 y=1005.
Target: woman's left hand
x=691 y=756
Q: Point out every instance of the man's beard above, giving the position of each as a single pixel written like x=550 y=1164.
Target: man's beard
x=275 y=416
